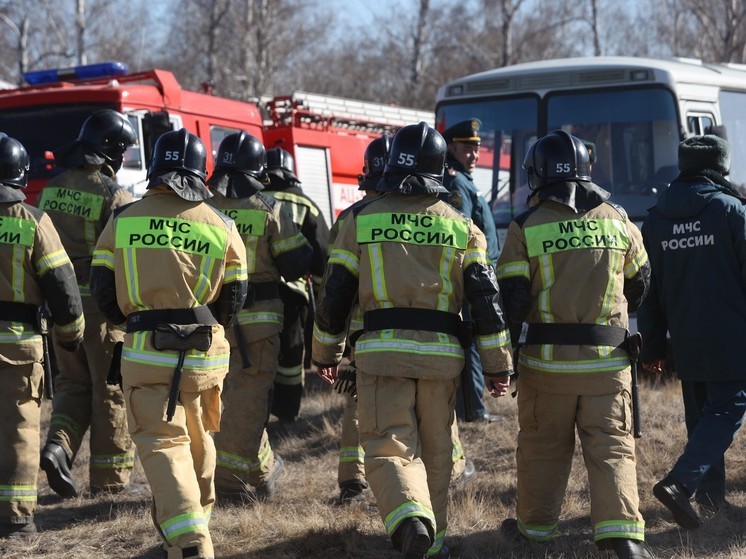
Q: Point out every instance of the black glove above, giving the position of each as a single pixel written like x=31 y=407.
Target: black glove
x=346 y=382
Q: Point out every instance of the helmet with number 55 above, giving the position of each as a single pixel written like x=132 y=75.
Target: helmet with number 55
x=556 y=157
x=416 y=161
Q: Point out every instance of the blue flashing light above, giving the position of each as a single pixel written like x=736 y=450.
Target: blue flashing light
x=85 y=72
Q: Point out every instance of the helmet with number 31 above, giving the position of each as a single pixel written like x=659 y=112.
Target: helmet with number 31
x=555 y=157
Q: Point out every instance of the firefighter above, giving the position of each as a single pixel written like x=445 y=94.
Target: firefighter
x=173 y=270
x=461 y=160
x=274 y=247
x=35 y=270
x=351 y=469
x=410 y=259
x=296 y=295
x=572 y=267
x=80 y=201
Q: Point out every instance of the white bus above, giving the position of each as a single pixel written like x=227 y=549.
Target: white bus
x=635 y=111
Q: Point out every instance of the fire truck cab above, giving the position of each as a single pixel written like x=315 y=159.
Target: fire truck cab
x=48 y=114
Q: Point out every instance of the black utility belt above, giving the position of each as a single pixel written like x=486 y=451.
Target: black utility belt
x=576 y=334
x=429 y=320
x=19 y=312
x=261 y=292
x=148 y=320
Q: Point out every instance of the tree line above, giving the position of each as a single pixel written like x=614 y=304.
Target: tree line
x=249 y=49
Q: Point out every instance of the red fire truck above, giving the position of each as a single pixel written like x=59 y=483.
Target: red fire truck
x=326 y=135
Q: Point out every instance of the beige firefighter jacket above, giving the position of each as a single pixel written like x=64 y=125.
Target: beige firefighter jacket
x=34 y=269
x=568 y=266
x=164 y=252
x=410 y=251
x=275 y=248
x=80 y=202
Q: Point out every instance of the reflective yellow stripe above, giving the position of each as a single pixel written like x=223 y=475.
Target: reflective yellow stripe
x=600 y=365
x=103 y=258
x=406 y=510
x=193 y=360
x=515 y=269
x=378 y=277
x=17 y=493
x=51 y=260
x=447 y=259
x=184 y=524
x=638 y=262
x=285 y=245
x=403 y=345
x=354 y=454
x=347 y=259
x=619 y=529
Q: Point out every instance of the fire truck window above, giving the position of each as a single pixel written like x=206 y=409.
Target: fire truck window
x=133 y=157
x=60 y=123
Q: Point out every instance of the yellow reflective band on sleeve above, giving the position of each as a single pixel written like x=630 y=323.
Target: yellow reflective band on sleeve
x=51 y=260
x=72 y=202
x=171 y=234
x=347 y=259
x=248 y=222
x=413 y=229
x=476 y=256
x=493 y=341
x=70 y=328
x=447 y=259
x=327 y=338
x=285 y=245
x=515 y=269
x=559 y=236
x=103 y=258
x=17 y=231
x=634 y=266
x=235 y=273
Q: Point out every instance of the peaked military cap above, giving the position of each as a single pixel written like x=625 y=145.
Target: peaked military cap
x=466 y=131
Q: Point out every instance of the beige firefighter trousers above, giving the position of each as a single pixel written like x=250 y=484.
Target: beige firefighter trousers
x=244 y=455
x=178 y=458
x=405 y=429
x=352 y=457
x=82 y=399
x=546 y=444
x=20 y=400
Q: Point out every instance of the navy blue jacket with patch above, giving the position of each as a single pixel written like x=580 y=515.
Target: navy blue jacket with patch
x=696 y=241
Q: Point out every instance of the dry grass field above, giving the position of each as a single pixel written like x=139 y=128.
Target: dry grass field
x=304 y=520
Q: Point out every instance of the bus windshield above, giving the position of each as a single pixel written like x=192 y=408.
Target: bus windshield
x=634 y=132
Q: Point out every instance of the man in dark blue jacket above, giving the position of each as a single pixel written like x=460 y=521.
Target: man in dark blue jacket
x=697 y=231
x=461 y=160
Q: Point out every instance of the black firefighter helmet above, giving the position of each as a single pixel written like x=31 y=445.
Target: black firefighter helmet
x=14 y=162
x=280 y=164
x=374 y=162
x=416 y=161
x=558 y=156
x=241 y=166
x=179 y=161
x=103 y=139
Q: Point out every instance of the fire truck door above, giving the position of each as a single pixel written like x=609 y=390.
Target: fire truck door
x=314 y=171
